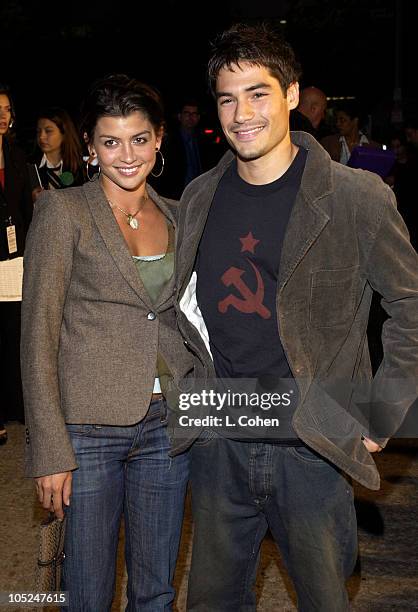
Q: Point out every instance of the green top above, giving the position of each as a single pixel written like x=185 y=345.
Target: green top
x=155 y=272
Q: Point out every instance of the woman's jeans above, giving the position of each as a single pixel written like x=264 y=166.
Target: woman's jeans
x=124 y=471
x=239 y=489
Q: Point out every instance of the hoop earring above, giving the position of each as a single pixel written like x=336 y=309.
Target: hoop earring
x=162 y=165
x=95 y=176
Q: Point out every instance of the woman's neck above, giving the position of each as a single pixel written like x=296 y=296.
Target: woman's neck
x=54 y=158
x=353 y=138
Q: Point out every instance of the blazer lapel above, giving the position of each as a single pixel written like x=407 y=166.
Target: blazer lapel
x=307 y=219
x=194 y=210
x=170 y=212
x=305 y=224
x=113 y=239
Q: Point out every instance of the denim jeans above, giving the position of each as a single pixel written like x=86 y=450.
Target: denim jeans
x=239 y=490
x=124 y=471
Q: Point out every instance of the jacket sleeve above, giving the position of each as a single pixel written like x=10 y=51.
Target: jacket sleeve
x=392 y=270
x=47 y=274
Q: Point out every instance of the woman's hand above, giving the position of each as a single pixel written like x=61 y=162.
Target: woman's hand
x=54 y=491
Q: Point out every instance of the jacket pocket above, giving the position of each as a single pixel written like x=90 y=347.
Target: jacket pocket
x=332 y=299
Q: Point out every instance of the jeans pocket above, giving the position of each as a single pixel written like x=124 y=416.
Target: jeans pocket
x=206 y=436
x=79 y=429
x=306 y=454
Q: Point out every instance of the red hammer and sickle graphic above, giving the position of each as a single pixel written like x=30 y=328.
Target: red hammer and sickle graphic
x=251 y=302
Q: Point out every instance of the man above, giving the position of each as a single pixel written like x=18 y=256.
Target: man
x=187 y=152
x=310 y=111
x=279 y=248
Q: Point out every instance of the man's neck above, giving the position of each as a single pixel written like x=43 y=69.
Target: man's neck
x=269 y=167
x=187 y=131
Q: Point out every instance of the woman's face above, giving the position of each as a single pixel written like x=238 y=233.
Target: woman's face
x=345 y=125
x=125 y=148
x=5 y=113
x=49 y=136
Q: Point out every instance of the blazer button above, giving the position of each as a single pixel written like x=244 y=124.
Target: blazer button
x=27 y=440
x=27 y=431
x=151 y=316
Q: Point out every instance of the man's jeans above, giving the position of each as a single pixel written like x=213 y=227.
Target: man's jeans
x=124 y=470
x=239 y=489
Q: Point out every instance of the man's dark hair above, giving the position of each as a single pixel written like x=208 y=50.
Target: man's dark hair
x=351 y=108
x=259 y=45
x=188 y=102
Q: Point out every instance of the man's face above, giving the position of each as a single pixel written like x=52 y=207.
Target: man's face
x=253 y=111
x=189 y=117
x=318 y=112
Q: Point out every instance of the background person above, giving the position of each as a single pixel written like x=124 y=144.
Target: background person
x=187 y=151
x=59 y=160
x=100 y=345
x=15 y=213
x=310 y=111
x=350 y=135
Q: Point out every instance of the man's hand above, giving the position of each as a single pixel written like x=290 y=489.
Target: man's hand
x=371 y=446
x=53 y=491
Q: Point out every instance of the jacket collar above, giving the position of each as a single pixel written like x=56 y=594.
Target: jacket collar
x=115 y=243
x=317 y=177
x=305 y=224
x=308 y=218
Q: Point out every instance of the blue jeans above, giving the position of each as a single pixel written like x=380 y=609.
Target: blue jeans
x=239 y=490
x=124 y=471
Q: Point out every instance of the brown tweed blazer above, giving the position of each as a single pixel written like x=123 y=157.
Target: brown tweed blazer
x=90 y=334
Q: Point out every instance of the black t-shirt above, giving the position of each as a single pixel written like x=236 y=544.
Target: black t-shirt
x=238 y=267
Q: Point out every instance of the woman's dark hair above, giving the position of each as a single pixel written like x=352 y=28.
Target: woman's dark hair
x=350 y=108
x=259 y=45
x=5 y=91
x=71 y=151
x=118 y=95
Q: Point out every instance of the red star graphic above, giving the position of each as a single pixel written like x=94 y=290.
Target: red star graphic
x=248 y=243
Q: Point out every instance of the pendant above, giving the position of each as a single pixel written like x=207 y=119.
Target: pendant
x=133 y=222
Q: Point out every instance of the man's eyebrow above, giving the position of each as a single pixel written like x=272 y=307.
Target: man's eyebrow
x=220 y=94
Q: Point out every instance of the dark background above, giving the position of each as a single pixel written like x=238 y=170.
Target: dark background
x=51 y=51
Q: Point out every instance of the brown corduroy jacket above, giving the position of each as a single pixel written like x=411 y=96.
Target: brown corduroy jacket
x=344 y=239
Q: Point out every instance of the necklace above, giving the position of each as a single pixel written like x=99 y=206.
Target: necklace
x=134 y=223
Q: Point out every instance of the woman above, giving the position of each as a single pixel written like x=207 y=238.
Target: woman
x=15 y=211
x=347 y=121
x=101 y=347
x=60 y=161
